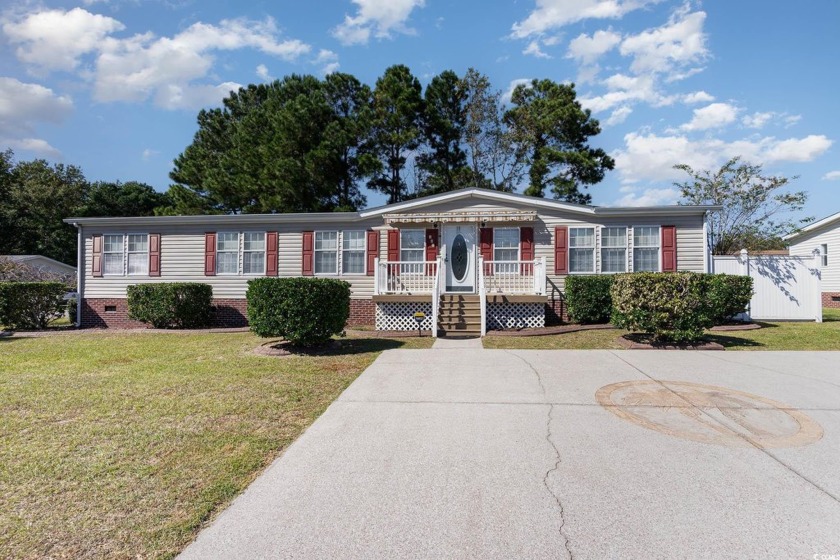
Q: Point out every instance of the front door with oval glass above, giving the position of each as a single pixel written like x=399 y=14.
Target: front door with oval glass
x=459 y=243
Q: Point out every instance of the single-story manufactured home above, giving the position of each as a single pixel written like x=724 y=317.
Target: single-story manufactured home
x=469 y=260
x=822 y=236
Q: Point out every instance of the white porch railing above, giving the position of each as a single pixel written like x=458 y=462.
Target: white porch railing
x=406 y=277
x=513 y=277
x=436 y=297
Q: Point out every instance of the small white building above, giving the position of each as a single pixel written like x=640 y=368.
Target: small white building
x=822 y=235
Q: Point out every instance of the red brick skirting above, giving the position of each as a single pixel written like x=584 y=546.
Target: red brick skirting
x=113 y=313
x=831 y=299
x=555 y=311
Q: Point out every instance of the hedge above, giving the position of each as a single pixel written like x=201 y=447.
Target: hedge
x=73 y=310
x=588 y=298
x=677 y=306
x=173 y=305
x=30 y=305
x=304 y=311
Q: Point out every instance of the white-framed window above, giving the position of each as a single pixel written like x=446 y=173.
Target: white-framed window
x=353 y=252
x=646 y=245
x=137 y=253
x=581 y=250
x=412 y=249
x=506 y=250
x=326 y=252
x=253 y=252
x=824 y=255
x=113 y=248
x=227 y=252
x=613 y=249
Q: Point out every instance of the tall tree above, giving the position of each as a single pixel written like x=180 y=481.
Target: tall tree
x=105 y=198
x=755 y=210
x=6 y=210
x=397 y=109
x=444 y=119
x=490 y=149
x=552 y=132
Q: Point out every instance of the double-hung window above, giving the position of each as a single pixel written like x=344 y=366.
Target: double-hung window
x=253 y=252
x=412 y=250
x=353 y=252
x=824 y=254
x=614 y=249
x=506 y=250
x=138 y=254
x=582 y=250
x=646 y=241
x=326 y=252
x=227 y=253
x=113 y=248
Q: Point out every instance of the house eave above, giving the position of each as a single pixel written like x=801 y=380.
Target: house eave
x=810 y=228
x=219 y=219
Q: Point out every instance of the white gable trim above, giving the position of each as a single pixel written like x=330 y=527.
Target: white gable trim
x=811 y=227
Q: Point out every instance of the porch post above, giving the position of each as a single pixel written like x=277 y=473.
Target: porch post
x=376 y=291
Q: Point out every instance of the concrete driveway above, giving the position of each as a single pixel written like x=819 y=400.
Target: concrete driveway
x=468 y=453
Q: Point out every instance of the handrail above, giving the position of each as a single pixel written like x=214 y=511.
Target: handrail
x=482 y=295
x=436 y=298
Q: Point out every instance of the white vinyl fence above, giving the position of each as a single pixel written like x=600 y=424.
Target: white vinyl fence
x=786 y=288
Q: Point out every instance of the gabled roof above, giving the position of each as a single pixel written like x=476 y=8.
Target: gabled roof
x=27 y=258
x=415 y=204
x=827 y=221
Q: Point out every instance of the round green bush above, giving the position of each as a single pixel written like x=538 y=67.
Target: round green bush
x=30 y=305
x=588 y=298
x=171 y=305
x=72 y=310
x=304 y=311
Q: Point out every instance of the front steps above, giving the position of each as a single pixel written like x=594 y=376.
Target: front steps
x=459 y=315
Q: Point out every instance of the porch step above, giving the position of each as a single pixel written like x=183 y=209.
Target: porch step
x=459 y=315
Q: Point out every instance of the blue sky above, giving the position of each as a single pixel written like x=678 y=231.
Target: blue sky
x=114 y=85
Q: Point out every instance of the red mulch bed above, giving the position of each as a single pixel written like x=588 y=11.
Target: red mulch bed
x=545 y=331
x=635 y=341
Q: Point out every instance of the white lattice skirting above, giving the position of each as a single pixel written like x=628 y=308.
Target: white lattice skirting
x=399 y=316
x=515 y=315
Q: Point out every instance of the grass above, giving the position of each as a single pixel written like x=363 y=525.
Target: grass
x=774 y=336
x=122 y=445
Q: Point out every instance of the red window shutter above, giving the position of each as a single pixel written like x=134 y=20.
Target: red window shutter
x=96 y=256
x=271 y=253
x=485 y=242
x=210 y=254
x=154 y=254
x=372 y=251
x=308 y=261
x=669 y=248
x=561 y=250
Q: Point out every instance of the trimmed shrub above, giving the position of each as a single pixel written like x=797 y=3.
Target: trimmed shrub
x=726 y=295
x=588 y=298
x=30 y=305
x=304 y=311
x=72 y=310
x=173 y=305
x=677 y=306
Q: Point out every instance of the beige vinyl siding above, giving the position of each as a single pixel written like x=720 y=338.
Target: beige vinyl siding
x=830 y=236
x=182 y=260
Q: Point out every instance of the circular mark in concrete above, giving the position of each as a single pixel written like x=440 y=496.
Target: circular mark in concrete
x=709 y=414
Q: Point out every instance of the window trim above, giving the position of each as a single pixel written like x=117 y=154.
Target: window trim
x=337 y=251
x=342 y=250
x=121 y=252
x=127 y=253
x=823 y=255
x=627 y=248
x=658 y=247
x=238 y=253
x=243 y=251
x=594 y=249
x=408 y=269
x=515 y=269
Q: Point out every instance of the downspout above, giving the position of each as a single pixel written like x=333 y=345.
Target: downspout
x=707 y=246
x=80 y=274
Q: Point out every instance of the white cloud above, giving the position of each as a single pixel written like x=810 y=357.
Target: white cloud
x=674 y=46
x=22 y=104
x=618 y=116
x=148 y=154
x=534 y=49
x=512 y=86
x=587 y=50
x=650 y=157
x=328 y=60
x=37 y=146
x=715 y=115
x=697 y=97
x=262 y=73
x=55 y=39
x=379 y=18
x=553 y=14
x=757 y=119
x=832 y=176
x=791 y=120
x=624 y=89
x=649 y=197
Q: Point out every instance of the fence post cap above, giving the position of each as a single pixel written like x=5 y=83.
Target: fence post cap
x=744 y=252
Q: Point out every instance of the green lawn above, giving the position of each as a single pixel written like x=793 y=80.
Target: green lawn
x=774 y=336
x=122 y=445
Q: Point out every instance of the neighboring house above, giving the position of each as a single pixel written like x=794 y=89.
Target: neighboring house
x=431 y=254
x=42 y=263
x=822 y=235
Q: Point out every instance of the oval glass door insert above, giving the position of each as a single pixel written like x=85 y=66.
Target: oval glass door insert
x=458 y=257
